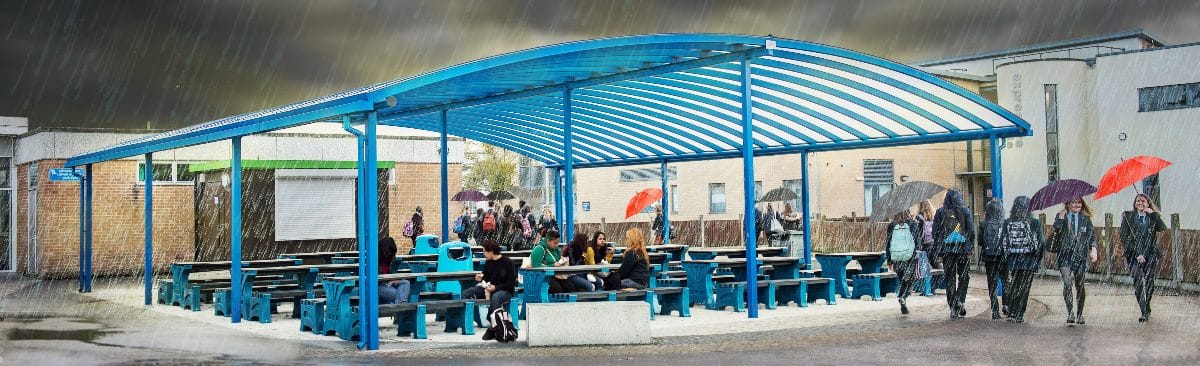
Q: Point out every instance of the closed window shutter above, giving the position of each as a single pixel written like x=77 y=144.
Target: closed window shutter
x=878 y=172
x=310 y=208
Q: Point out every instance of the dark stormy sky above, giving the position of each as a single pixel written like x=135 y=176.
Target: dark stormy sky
x=169 y=64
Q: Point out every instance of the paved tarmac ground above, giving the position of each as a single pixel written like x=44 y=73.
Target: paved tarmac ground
x=47 y=322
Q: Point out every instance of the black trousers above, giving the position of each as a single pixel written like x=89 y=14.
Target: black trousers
x=958 y=275
x=1016 y=292
x=1143 y=281
x=498 y=300
x=994 y=270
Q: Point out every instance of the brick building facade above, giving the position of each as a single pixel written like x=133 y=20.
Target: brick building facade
x=50 y=247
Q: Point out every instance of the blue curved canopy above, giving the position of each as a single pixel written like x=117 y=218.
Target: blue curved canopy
x=647 y=98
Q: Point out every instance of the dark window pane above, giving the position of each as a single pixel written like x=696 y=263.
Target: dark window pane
x=184 y=174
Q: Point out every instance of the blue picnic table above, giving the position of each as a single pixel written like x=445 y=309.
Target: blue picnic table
x=340 y=316
x=732 y=252
x=318 y=257
x=833 y=266
x=305 y=277
x=700 y=273
x=181 y=275
x=537 y=280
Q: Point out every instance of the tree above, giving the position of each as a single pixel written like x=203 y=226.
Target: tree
x=490 y=169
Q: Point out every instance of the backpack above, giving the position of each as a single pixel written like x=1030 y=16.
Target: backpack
x=408 y=229
x=526 y=230
x=501 y=326
x=952 y=226
x=989 y=237
x=489 y=222
x=1020 y=237
x=902 y=246
x=459 y=228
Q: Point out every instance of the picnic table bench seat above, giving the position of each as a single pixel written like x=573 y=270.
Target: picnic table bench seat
x=410 y=318
x=803 y=291
x=734 y=294
x=265 y=303
x=876 y=285
x=671 y=299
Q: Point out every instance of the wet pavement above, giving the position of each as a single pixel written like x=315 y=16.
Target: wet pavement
x=47 y=322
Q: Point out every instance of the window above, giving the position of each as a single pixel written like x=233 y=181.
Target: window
x=758 y=191
x=646 y=174
x=878 y=178
x=674 y=205
x=797 y=187
x=1052 y=168
x=176 y=173
x=716 y=198
x=1160 y=98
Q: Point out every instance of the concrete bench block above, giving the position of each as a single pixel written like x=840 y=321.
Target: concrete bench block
x=560 y=324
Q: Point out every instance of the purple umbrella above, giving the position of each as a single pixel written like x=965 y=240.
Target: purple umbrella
x=1059 y=192
x=469 y=196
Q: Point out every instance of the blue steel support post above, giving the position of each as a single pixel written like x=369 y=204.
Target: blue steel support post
x=568 y=170
x=235 y=231
x=148 y=251
x=445 y=182
x=370 y=304
x=82 y=229
x=359 y=219
x=87 y=243
x=805 y=210
x=666 y=212
x=558 y=199
x=748 y=189
x=997 y=177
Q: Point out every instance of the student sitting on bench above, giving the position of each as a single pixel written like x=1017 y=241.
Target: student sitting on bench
x=391 y=292
x=498 y=280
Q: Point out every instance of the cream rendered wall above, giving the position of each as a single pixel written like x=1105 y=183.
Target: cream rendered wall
x=1169 y=134
x=1021 y=89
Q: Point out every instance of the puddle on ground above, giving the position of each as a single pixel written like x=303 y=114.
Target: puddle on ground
x=87 y=336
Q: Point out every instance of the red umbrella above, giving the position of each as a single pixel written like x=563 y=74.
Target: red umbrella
x=1129 y=172
x=642 y=199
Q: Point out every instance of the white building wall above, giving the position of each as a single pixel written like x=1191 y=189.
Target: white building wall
x=984 y=66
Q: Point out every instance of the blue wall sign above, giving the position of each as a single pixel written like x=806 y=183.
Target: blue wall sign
x=64 y=174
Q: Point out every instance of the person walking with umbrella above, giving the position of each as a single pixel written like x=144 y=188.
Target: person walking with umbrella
x=1074 y=237
x=953 y=233
x=1022 y=240
x=991 y=253
x=1139 y=236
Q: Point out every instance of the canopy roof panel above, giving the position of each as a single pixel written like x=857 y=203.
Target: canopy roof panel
x=646 y=98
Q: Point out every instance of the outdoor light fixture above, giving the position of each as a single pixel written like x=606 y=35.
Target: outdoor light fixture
x=1122 y=136
x=903 y=178
x=224 y=180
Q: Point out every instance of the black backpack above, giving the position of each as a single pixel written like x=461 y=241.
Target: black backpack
x=952 y=223
x=501 y=326
x=989 y=236
x=1020 y=237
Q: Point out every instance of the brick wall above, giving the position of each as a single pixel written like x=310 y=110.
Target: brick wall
x=419 y=184
x=117 y=241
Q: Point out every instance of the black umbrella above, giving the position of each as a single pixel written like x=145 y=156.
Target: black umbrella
x=500 y=196
x=778 y=194
x=903 y=197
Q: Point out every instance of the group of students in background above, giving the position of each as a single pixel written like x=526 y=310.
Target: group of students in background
x=514 y=229
x=1011 y=251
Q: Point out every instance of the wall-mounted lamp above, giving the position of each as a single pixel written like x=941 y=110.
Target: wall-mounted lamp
x=1122 y=136
x=903 y=178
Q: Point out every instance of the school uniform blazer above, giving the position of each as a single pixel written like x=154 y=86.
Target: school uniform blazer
x=1141 y=239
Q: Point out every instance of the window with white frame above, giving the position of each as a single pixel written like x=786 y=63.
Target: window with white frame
x=716 y=198
x=314 y=204
x=167 y=172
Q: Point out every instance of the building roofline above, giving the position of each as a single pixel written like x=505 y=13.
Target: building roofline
x=268 y=134
x=1193 y=44
x=1136 y=33
x=957 y=75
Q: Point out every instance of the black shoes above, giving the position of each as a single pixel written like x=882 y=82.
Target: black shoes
x=488 y=335
x=1143 y=319
x=1070 y=319
x=903 y=307
x=1079 y=319
x=962 y=310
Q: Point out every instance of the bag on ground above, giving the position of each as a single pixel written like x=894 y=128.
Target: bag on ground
x=902 y=245
x=1020 y=237
x=501 y=326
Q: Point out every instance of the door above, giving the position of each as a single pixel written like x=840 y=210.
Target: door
x=32 y=253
